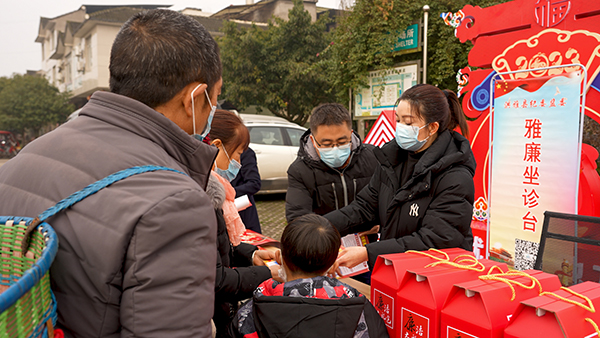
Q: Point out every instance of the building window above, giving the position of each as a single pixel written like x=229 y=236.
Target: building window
x=88 y=53
x=67 y=72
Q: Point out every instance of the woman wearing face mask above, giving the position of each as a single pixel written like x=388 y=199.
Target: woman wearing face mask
x=231 y=137
x=422 y=192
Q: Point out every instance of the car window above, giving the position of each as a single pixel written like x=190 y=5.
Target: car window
x=295 y=135
x=266 y=135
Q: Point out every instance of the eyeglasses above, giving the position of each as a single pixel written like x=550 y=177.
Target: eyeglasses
x=331 y=145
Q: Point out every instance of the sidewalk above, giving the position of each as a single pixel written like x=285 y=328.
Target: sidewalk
x=271 y=213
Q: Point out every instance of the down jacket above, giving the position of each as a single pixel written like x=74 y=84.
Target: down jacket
x=432 y=209
x=236 y=278
x=137 y=259
x=310 y=307
x=248 y=182
x=314 y=187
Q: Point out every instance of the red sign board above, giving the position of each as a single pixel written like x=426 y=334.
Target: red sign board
x=524 y=34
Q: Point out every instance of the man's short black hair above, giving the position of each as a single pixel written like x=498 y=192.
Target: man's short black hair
x=310 y=244
x=329 y=114
x=159 y=52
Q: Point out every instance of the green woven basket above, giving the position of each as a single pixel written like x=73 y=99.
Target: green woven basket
x=27 y=305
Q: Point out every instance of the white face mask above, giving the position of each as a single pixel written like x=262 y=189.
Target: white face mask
x=281 y=273
x=407 y=137
x=210 y=116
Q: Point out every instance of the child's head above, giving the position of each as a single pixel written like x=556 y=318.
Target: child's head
x=309 y=245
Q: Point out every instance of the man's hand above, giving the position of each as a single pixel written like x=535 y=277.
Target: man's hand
x=260 y=256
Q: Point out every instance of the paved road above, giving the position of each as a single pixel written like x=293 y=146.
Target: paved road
x=271 y=213
x=2 y=161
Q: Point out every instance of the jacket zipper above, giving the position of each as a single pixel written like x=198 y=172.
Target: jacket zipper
x=354 y=180
x=335 y=196
x=344 y=186
x=345 y=189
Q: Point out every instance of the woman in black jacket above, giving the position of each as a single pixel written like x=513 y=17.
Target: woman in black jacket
x=248 y=182
x=232 y=285
x=422 y=192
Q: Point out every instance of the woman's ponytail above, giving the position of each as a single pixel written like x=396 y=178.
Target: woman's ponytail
x=429 y=102
x=457 y=116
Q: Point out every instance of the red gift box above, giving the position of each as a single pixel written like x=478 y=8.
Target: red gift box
x=483 y=308
x=388 y=273
x=549 y=317
x=424 y=291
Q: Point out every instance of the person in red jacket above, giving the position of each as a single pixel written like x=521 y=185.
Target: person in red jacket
x=308 y=303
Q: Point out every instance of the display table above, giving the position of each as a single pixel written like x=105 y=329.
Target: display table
x=363 y=288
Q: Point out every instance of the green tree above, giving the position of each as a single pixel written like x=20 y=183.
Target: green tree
x=30 y=102
x=363 y=41
x=277 y=67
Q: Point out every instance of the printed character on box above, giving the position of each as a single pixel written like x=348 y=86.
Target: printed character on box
x=422 y=191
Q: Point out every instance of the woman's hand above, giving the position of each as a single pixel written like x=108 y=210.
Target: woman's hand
x=373 y=230
x=351 y=257
x=275 y=273
x=260 y=256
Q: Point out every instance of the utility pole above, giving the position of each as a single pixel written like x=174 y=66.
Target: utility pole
x=425 y=21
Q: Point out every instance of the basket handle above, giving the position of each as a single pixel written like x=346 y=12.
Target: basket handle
x=83 y=193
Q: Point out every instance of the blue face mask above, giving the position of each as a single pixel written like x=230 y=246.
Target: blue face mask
x=407 y=137
x=232 y=170
x=210 y=116
x=335 y=157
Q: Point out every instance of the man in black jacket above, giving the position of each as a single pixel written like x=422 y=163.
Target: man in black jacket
x=333 y=165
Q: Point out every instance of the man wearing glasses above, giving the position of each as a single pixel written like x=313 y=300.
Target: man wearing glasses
x=332 y=166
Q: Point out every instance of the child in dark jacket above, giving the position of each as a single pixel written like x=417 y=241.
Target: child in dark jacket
x=308 y=304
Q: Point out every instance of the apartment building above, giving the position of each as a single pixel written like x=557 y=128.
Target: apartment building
x=76 y=45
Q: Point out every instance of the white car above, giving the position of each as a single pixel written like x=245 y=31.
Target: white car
x=275 y=141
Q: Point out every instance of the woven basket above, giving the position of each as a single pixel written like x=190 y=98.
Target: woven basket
x=27 y=306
